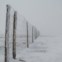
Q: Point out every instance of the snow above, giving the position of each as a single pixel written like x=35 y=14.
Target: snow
x=44 y=49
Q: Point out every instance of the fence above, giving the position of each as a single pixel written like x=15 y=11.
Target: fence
x=19 y=34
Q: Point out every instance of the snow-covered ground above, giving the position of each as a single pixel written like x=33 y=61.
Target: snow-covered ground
x=44 y=49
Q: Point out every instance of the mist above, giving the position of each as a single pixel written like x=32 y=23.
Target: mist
x=45 y=15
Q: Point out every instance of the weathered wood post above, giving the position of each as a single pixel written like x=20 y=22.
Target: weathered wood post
x=32 y=35
x=27 y=35
x=7 y=34
x=14 y=35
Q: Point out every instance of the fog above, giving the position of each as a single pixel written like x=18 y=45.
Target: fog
x=46 y=15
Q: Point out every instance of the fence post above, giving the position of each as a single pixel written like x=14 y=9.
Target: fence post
x=14 y=35
x=7 y=34
x=32 y=35
x=27 y=35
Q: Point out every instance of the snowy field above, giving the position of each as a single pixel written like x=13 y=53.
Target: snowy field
x=20 y=43
x=44 y=49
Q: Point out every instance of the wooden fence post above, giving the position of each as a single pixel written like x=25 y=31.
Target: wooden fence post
x=27 y=35
x=14 y=35
x=7 y=34
x=32 y=35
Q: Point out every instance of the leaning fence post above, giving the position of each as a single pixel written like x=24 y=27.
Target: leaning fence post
x=27 y=35
x=7 y=34
x=14 y=35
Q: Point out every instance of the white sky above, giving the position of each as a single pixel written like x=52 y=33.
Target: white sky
x=46 y=15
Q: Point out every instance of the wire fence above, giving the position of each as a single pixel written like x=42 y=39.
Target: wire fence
x=19 y=34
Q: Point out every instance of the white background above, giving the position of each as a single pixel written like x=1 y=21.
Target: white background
x=46 y=15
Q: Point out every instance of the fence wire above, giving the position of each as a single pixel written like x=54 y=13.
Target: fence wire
x=23 y=33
